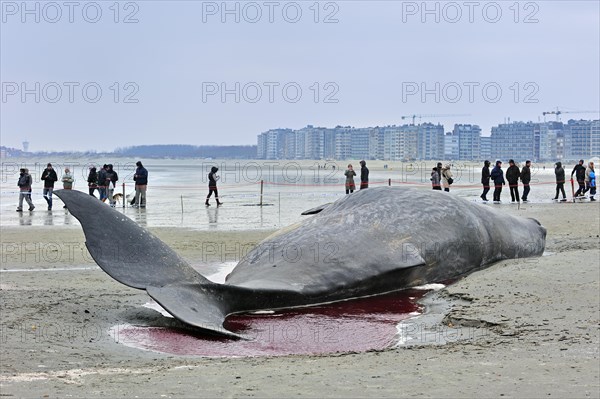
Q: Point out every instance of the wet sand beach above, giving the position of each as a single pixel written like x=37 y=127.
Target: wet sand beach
x=521 y=328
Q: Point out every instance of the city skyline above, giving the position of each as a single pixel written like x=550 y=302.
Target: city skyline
x=27 y=143
x=537 y=141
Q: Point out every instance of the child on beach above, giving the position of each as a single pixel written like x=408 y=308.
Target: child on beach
x=350 y=173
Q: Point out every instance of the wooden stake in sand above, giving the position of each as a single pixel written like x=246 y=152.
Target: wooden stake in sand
x=261 y=192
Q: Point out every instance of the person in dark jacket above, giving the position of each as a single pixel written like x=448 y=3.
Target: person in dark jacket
x=579 y=172
x=49 y=177
x=560 y=181
x=364 y=175
x=512 y=176
x=525 y=179
x=212 y=185
x=92 y=181
x=485 y=180
x=111 y=182
x=141 y=183
x=102 y=183
x=24 y=184
x=497 y=176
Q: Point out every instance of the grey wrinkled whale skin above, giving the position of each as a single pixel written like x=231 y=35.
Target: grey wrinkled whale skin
x=370 y=242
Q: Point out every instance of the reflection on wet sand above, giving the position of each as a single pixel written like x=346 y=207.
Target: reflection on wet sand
x=25 y=218
x=140 y=216
x=213 y=215
x=49 y=219
x=67 y=219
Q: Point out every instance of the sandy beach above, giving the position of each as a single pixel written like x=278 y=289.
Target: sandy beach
x=521 y=328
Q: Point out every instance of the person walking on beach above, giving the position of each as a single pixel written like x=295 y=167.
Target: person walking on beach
x=92 y=181
x=102 y=183
x=559 y=172
x=485 y=180
x=447 y=179
x=364 y=175
x=525 y=179
x=497 y=176
x=24 y=184
x=49 y=177
x=350 y=173
x=67 y=181
x=590 y=180
x=212 y=185
x=141 y=183
x=435 y=179
x=579 y=172
x=512 y=176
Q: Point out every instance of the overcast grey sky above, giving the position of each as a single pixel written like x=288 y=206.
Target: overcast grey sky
x=162 y=67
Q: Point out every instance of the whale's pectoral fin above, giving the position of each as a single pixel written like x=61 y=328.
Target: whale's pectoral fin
x=204 y=306
x=126 y=251
x=315 y=210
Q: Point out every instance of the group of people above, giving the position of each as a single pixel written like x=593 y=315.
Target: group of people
x=513 y=174
x=103 y=180
x=441 y=176
x=364 y=177
x=49 y=177
x=586 y=179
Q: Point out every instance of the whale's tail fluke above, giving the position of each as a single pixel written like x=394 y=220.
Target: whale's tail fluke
x=135 y=257
x=200 y=305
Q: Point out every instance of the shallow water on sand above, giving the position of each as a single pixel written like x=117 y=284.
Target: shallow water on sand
x=177 y=190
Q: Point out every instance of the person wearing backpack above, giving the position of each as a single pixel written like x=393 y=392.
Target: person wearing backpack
x=49 y=177
x=447 y=177
x=24 y=184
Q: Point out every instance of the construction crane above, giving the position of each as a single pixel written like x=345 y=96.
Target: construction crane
x=429 y=116
x=559 y=112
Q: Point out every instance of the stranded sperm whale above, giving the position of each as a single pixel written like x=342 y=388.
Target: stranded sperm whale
x=370 y=242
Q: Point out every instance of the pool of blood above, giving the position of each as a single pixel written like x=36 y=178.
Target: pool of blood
x=351 y=326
